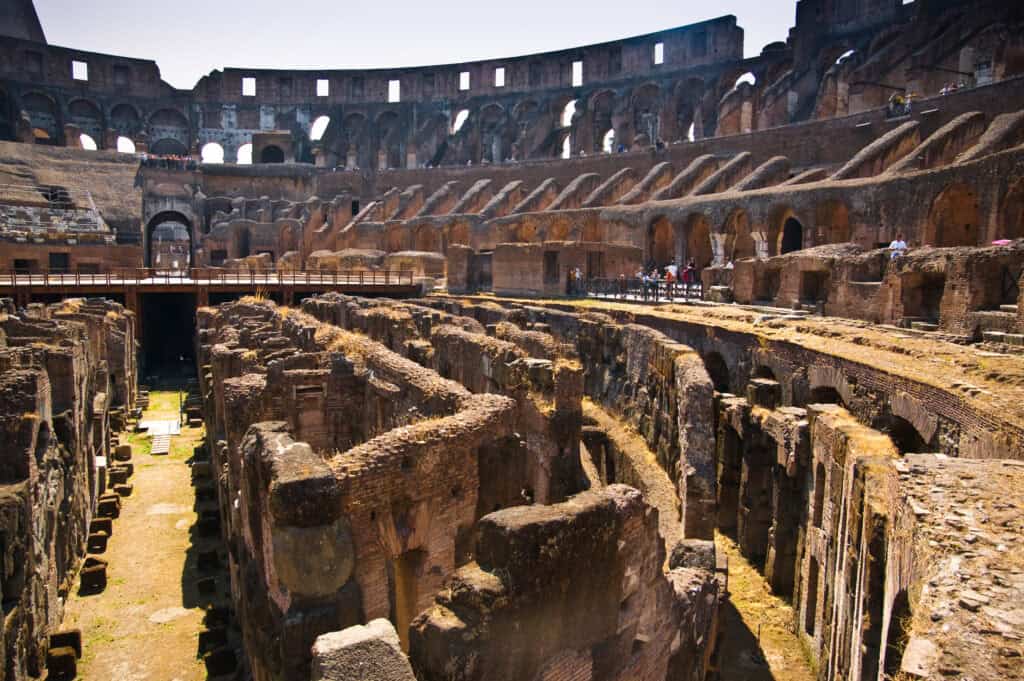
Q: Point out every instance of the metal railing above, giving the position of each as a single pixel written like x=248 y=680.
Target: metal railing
x=637 y=289
x=206 y=277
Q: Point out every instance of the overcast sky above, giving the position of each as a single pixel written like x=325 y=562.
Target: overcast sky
x=190 y=38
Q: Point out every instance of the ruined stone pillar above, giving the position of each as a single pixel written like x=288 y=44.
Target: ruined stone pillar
x=718 y=249
x=761 y=249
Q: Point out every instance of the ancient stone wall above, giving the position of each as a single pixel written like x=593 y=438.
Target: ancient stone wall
x=68 y=379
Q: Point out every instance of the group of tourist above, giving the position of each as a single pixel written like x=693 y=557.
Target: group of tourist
x=654 y=284
x=168 y=162
x=900 y=104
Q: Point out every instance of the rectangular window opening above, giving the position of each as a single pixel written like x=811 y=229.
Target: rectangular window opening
x=464 y=80
x=79 y=70
x=355 y=208
x=323 y=87
x=394 y=91
x=248 y=87
x=659 y=53
x=499 y=77
x=358 y=86
x=577 y=73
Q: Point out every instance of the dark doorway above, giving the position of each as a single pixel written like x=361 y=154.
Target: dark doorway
x=718 y=370
x=60 y=263
x=169 y=242
x=792 y=236
x=272 y=154
x=168 y=324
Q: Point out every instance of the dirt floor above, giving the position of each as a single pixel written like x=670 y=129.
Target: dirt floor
x=145 y=625
x=757 y=641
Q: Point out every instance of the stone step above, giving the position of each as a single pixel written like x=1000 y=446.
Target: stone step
x=1008 y=308
x=924 y=326
x=161 y=444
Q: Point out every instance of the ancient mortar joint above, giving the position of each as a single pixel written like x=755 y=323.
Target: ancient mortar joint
x=663 y=358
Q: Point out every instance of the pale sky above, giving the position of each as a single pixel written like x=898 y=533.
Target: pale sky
x=190 y=38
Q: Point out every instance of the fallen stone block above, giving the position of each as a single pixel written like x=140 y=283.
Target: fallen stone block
x=61 y=664
x=97 y=542
x=69 y=638
x=108 y=506
x=93 y=575
x=371 y=651
x=123 y=453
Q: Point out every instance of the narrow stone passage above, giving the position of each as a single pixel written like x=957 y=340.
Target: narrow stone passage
x=145 y=625
x=778 y=655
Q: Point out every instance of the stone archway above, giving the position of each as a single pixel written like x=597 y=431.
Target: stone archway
x=1011 y=214
x=698 y=241
x=661 y=243
x=792 y=236
x=169 y=241
x=954 y=218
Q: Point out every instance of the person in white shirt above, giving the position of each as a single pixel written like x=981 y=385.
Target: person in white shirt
x=898 y=246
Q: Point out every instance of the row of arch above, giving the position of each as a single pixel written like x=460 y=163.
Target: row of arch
x=954 y=219
x=600 y=120
x=696 y=238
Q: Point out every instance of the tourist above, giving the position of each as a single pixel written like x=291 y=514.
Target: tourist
x=689 y=276
x=897 y=247
x=670 y=279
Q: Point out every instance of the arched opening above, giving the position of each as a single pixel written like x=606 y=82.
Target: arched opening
x=389 y=141
x=244 y=156
x=124 y=119
x=87 y=142
x=825 y=394
x=568 y=111
x=42 y=112
x=1011 y=217
x=212 y=153
x=792 y=236
x=953 y=219
x=567 y=146
x=698 y=241
x=718 y=370
x=460 y=120
x=902 y=433
x=762 y=371
x=660 y=243
x=747 y=77
x=272 y=154
x=646 y=119
x=87 y=117
x=739 y=243
x=125 y=145
x=833 y=222
x=319 y=127
x=608 y=141
x=169 y=242
x=170 y=124
x=493 y=142
x=601 y=109
x=354 y=143
x=168 y=147
x=691 y=132
x=819 y=494
x=898 y=634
